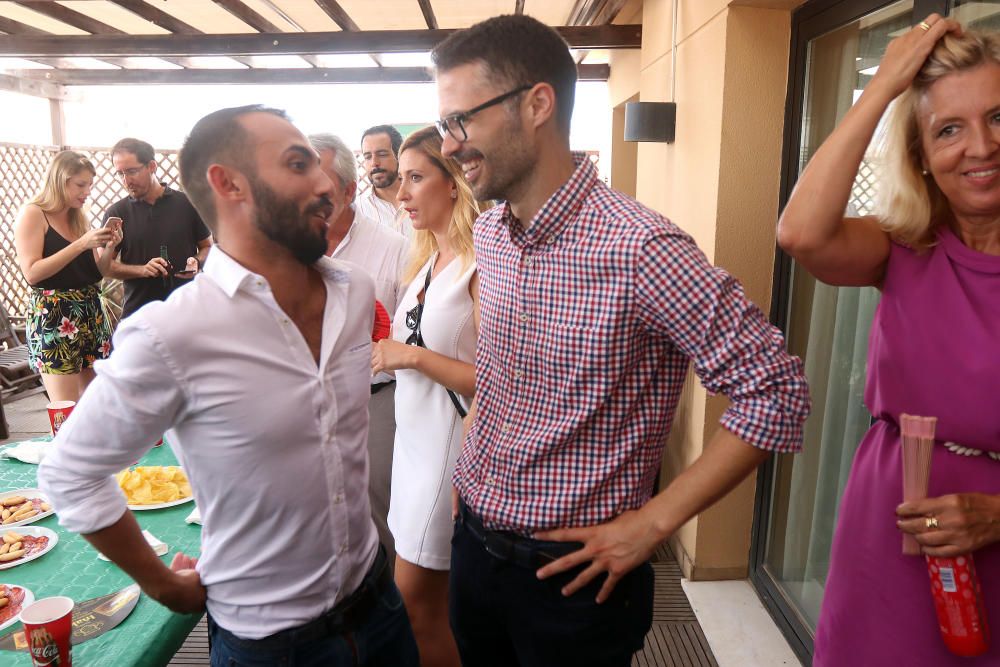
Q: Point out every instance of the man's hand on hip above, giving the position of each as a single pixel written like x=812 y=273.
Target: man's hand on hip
x=616 y=547
x=183 y=592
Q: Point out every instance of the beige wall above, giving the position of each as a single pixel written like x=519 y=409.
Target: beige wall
x=719 y=182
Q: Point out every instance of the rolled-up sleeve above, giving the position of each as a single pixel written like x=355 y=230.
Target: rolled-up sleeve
x=134 y=399
x=735 y=350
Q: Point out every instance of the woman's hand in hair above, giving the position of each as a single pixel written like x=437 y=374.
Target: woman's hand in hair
x=907 y=53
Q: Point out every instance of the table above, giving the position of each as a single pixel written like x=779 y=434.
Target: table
x=151 y=634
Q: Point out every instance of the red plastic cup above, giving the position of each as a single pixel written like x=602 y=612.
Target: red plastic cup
x=48 y=624
x=58 y=413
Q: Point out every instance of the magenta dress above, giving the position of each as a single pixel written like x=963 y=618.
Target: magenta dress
x=934 y=350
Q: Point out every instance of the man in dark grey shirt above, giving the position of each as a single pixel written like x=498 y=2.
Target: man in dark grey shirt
x=161 y=231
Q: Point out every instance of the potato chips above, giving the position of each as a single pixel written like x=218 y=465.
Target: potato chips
x=152 y=485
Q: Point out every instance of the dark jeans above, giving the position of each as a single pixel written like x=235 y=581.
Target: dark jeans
x=503 y=616
x=380 y=637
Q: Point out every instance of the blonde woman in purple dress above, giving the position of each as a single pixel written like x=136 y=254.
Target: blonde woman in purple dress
x=934 y=349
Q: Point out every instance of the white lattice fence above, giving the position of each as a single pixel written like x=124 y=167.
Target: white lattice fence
x=22 y=171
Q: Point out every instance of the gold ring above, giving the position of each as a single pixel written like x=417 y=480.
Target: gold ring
x=931 y=522
x=924 y=25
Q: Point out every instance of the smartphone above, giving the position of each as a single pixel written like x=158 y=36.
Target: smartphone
x=185 y=274
x=113 y=222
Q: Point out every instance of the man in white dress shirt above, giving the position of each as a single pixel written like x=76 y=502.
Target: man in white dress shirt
x=380 y=152
x=382 y=253
x=259 y=372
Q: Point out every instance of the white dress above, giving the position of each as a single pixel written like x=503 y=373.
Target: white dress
x=428 y=427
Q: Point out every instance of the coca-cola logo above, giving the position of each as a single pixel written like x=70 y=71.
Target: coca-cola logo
x=44 y=649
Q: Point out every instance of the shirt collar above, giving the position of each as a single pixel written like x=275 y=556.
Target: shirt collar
x=232 y=276
x=560 y=208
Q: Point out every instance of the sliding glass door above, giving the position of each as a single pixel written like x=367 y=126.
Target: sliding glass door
x=836 y=49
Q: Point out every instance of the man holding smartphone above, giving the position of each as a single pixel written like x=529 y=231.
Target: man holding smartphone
x=160 y=228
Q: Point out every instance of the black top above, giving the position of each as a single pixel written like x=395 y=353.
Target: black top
x=170 y=221
x=79 y=273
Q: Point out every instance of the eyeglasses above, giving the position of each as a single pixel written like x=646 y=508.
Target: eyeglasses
x=454 y=124
x=122 y=173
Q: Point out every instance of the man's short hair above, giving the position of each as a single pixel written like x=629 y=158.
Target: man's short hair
x=395 y=138
x=142 y=151
x=218 y=138
x=515 y=50
x=345 y=165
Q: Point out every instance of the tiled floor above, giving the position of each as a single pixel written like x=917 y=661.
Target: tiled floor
x=675 y=640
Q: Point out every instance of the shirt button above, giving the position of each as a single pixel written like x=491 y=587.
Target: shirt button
x=550 y=239
x=343 y=548
x=528 y=261
x=337 y=499
x=506 y=427
x=489 y=481
x=523 y=317
x=518 y=373
x=260 y=283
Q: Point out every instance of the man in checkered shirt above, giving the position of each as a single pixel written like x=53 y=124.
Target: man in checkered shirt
x=592 y=309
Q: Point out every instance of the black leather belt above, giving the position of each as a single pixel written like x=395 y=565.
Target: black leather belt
x=376 y=388
x=512 y=548
x=348 y=614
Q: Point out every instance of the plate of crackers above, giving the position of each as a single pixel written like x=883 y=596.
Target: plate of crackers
x=25 y=544
x=12 y=600
x=21 y=507
x=154 y=487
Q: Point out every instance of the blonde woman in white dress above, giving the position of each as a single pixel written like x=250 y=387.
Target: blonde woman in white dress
x=432 y=351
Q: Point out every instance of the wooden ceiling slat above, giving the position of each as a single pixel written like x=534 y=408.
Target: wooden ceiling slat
x=260 y=76
x=428 y=12
x=373 y=41
x=70 y=17
x=244 y=13
x=157 y=16
x=253 y=19
x=519 y=7
x=342 y=19
x=83 y=22
x=12 y=27
x=338 y=14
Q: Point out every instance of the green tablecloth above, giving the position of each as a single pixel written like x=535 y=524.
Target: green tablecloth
x=151 y=634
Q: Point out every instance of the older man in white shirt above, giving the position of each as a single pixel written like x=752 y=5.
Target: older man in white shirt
x=382 y=253
x=259 y=372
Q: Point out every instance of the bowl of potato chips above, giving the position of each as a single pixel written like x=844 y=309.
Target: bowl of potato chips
x=154 y=487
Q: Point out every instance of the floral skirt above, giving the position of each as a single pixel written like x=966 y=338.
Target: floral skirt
x=67 y=330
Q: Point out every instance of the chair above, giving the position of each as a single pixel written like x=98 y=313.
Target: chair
x=17 y=378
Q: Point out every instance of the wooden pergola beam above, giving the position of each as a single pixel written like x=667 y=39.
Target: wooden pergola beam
x=519 y=6
x=338 y=14
x=81 y=21
x=302 y=43
x=35 y=85
x=244 y=13
x=102 y=77
x=343 y=20
x=428 y=12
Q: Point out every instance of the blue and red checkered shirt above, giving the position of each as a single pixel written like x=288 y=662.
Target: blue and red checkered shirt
x=590 y=317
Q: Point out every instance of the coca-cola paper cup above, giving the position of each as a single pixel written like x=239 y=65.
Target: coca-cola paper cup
x=48 y=624
x=58 y=413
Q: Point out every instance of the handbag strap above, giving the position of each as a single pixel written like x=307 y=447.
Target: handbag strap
x=420 y=339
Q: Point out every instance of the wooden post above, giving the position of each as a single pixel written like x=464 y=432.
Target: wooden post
x=58 y=119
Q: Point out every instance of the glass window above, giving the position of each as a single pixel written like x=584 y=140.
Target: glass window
x=828 y=327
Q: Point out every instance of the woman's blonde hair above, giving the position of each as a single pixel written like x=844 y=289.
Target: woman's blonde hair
x=463 y=214
x=52 y=197
x=911 y=205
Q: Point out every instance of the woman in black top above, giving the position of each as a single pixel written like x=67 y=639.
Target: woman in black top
x=57 y=251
